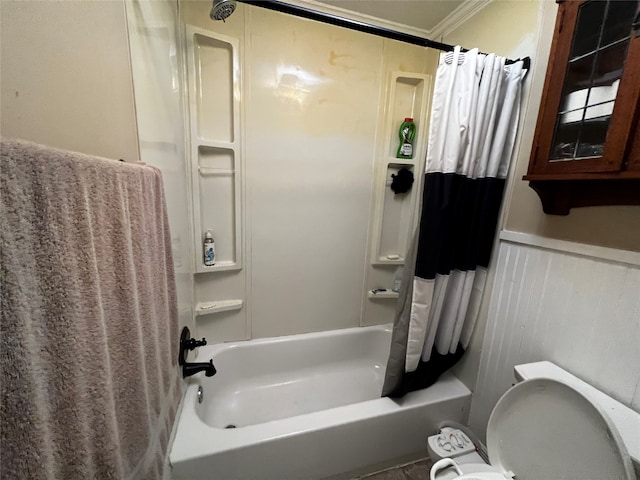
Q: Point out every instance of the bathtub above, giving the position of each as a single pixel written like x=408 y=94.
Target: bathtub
x=304 y=407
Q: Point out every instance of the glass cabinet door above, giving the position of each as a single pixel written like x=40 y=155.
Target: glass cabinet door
x=587 y=110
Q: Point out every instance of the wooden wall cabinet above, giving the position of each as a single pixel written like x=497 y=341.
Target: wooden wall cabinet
x=586 y=149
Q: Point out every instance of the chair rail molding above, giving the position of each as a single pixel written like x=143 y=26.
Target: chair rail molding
x=626 y=257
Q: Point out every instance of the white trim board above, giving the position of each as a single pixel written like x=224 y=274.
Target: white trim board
x=593 y=251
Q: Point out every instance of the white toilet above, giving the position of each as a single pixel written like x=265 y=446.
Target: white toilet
x=552 y=426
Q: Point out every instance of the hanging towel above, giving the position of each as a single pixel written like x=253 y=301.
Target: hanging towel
x=88 y=322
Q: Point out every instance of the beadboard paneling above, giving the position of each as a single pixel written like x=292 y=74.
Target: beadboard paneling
x=582 y=313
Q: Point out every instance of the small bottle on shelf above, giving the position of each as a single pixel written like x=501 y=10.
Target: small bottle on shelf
x=209 y=249
x=397 y=279
x=407 y=134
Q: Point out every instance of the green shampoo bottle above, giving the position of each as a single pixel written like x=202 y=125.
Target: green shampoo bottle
x=407 y=134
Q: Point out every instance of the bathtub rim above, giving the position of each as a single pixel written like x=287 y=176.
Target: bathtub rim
x=216 y=348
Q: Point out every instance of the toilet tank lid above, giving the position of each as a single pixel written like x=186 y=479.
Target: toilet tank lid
x=626 y=420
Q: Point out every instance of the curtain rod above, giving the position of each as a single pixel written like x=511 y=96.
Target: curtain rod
x=305 y=12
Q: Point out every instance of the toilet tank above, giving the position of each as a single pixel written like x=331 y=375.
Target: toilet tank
x=626 y=420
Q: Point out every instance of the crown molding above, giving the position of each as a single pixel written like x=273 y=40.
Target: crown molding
x=456 y=18
x=361 y=17
x=447 y=25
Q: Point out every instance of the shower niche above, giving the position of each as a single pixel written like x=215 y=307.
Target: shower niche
x=395 y=214
x=216 y=162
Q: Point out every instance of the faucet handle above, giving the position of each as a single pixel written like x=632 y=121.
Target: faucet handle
x=188 y=343
x=193 y=343
x=200 y=343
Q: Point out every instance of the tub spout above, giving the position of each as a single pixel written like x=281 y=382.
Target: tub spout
x=189 y=369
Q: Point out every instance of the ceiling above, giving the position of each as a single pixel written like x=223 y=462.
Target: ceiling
x=420 y=14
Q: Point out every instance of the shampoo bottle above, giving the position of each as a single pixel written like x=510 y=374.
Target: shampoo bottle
x=407 y=134
x=209 y=249
x=397 y=279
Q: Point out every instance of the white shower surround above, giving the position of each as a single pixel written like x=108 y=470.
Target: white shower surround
x=323 y=414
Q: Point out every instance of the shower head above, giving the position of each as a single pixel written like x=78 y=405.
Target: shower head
x=221 y=9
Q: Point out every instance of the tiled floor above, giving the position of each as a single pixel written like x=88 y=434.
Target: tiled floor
x=412 y=471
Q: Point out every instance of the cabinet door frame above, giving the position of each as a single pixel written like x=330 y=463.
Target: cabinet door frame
x=620 y=126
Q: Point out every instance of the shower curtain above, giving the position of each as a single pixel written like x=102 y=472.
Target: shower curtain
x=88 y=317
x=473 y=126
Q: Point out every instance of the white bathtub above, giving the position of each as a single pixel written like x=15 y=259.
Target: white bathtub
x=304 y=407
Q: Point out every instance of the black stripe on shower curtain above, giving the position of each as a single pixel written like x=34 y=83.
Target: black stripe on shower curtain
x=457 y=229
x=458 y=223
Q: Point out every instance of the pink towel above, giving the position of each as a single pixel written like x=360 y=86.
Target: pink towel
x=88 y=324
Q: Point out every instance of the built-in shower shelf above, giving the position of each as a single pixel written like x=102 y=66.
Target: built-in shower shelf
x=389 y=260
x=382 y=294
x=218 y=267
x=401 y=162
x=206 y=308
x=220 y=172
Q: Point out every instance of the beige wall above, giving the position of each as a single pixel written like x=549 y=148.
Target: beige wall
x=66 y=76
x=516 y=29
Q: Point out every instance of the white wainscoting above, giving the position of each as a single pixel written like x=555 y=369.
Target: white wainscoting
x=575 y=309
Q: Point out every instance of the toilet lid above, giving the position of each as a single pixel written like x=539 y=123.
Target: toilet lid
x=542 y=429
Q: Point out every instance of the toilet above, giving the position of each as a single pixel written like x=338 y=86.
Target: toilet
x=552 y=426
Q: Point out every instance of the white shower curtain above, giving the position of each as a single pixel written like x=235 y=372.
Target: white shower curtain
x=474 y=121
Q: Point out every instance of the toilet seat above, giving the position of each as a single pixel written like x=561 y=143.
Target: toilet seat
x=468 y=471
x=542 y=429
